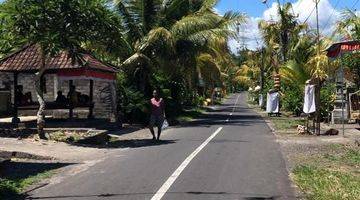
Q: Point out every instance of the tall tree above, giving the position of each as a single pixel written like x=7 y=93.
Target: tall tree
x=57 y=26
x=349 y=26
x=172 y=34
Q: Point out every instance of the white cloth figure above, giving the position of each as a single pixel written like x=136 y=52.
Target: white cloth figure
x=272 y=102
x=309 y=99
x=261 y=100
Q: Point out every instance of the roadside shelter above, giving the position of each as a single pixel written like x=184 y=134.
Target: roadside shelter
x=350 y=101
x=92 y=78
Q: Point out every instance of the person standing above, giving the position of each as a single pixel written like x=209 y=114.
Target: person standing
x=73 y=96
x=157 y=116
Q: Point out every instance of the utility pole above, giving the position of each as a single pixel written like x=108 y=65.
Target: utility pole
x=317 y=25
x=318 y=82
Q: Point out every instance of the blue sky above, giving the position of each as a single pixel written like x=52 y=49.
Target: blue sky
x=255 y=8
x=329 y=15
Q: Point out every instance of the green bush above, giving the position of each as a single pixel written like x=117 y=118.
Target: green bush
x=133 y=105
x=8 y=189
x=327 y=99
x=292 y=100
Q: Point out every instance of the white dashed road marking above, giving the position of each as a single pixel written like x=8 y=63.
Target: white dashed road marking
x=165 y=187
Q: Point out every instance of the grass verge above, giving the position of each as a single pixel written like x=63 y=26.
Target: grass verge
x=12 y=188
x=189 y=115
x=286 y=123
x=331 y=175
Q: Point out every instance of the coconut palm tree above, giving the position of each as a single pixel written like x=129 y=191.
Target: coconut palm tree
x=308 y=64
x=349 y=26
x=171 y=34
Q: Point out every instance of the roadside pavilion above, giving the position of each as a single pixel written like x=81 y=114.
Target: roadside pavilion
x=347 y=105
x=91 y=78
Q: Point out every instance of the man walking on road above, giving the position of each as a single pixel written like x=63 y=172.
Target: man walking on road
x=157 y=114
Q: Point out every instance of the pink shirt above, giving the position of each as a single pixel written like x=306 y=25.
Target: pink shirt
x=157 y=107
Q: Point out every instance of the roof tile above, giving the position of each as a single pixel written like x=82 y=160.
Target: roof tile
x=28 y=59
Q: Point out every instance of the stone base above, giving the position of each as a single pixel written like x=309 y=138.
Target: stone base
x=64 y=114
x=336 y=116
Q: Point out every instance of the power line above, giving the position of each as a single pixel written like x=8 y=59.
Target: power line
x=355 y=4
x=327 y=22
x=309 y=15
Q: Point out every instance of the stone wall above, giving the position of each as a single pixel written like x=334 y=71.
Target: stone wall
x=102 y=93
x=102 y=107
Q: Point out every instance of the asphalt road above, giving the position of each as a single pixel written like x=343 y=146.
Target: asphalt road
x=229 y=154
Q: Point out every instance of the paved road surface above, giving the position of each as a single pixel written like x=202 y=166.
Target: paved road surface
x=229 y=154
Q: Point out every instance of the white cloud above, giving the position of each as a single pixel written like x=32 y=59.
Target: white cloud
x=249 y=35
x=328 y=16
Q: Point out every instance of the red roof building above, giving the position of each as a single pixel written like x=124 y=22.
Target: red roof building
x=84 y=67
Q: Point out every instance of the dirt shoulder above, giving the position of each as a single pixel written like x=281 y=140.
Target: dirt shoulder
x=322 y=167
x=36 y=163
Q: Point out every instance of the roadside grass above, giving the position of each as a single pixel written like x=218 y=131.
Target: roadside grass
x=191 y=114
x=13 y=187
x=80 y=137
x=323 y=172
x=332 y=174
x=286 y=123
x=63 y=136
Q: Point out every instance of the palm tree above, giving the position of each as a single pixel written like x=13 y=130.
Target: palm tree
x=172 y=34
x=349 y=26
x=296 y=71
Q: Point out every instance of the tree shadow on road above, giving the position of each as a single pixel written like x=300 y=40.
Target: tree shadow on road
x=225 y=119
x=135 y=143
x=17 y=176
x=129 y=143
x=245 y=196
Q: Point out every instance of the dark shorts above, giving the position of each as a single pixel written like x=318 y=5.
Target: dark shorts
x=157 y=120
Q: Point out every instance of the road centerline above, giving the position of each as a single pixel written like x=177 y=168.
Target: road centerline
x=237 y=99
x=165 y=187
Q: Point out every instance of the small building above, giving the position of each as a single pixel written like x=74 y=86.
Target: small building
x=93 y=79
x=347 y=102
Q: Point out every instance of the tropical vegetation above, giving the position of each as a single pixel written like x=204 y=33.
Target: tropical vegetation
x=177 y=46
x=292 y=50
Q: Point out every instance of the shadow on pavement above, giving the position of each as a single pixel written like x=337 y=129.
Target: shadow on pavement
x=14 y=174
x=139 y=143
x=22 y=170
x=208 y=120
x=131 y=143
x=194 y=193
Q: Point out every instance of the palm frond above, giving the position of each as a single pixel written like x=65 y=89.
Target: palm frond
x=159 y=39
x=207 y=26
x=194 y=23
x=145 y=12
x=174 y=9
x=349 y=26
x=208 y=68
x=136 y=59
x=233 y=19
x=295 y=73
x=133 y=30
x=208 y=4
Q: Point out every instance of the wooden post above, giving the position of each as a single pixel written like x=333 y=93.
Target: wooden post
x=15 y=118
x=71 y=106
x=91 y=96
